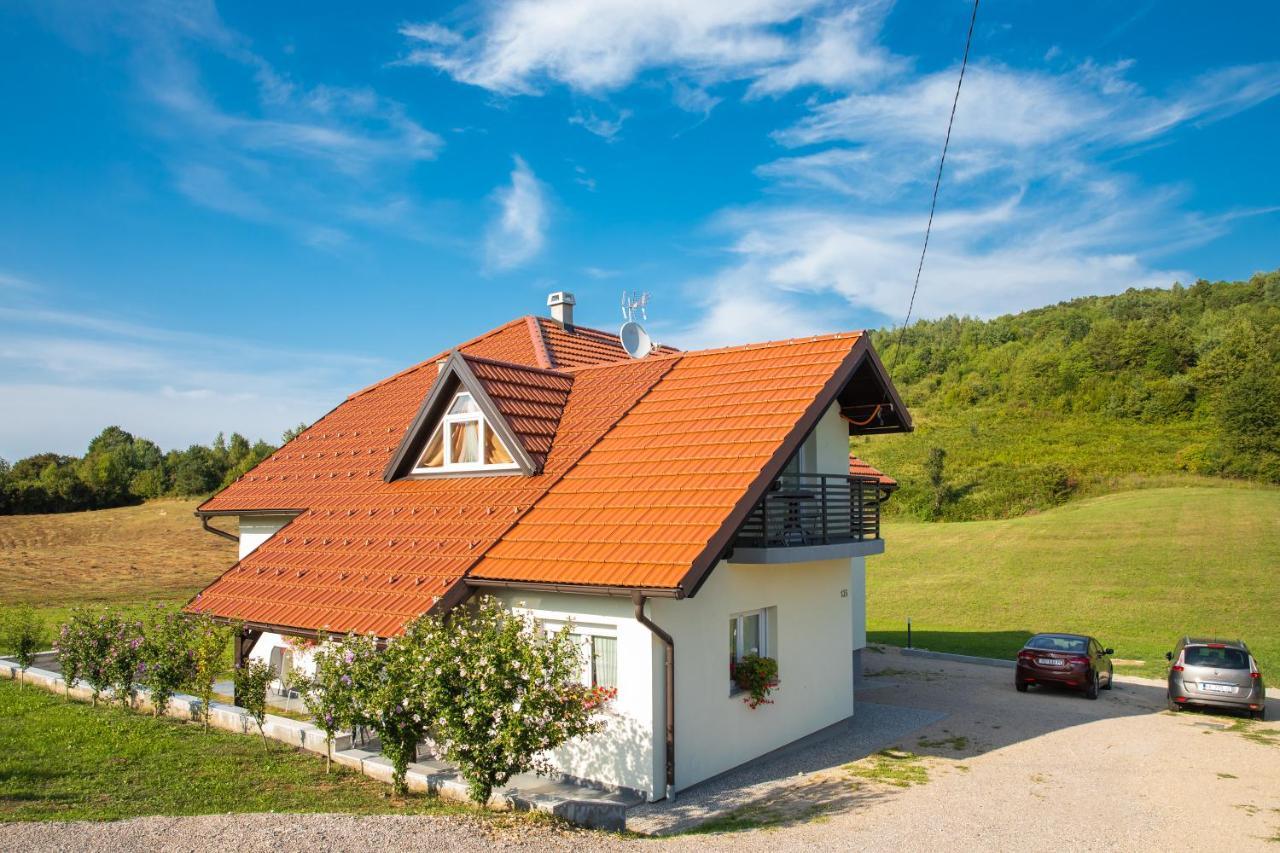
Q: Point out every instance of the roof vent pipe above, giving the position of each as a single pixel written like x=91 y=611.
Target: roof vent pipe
x=561 y=304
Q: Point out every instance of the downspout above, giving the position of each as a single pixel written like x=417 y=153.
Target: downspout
x=670 y=710
x=204 y=522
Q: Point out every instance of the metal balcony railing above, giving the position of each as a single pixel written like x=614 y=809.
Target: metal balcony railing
x=813 y=509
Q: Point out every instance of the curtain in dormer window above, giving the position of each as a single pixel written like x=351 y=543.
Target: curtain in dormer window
x=464 y=442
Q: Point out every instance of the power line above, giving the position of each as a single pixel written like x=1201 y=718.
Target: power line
x=937 y=182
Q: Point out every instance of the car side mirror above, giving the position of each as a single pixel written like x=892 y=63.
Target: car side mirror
x=1108 y=651
x=1168 y=656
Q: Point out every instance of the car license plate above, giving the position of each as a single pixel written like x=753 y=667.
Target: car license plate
x=1048 y=661
x=1218 y=688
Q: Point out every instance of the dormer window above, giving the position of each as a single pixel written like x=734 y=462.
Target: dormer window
x=464 y=441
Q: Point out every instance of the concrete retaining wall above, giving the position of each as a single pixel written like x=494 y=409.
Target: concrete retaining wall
x=526 y=793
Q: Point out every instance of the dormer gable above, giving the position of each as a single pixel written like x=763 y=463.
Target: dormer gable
x=482 y=417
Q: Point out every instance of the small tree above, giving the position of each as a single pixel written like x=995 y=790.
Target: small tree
x=22 y=633
x=167 y=663
x=73 y=647
x=95 y=631
x=123 y=657
x=209 y=642
x=391 y=706
x=252 y=679
x=501 y=691
x=330 y=696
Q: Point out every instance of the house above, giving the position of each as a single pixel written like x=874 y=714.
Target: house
x=679 y=511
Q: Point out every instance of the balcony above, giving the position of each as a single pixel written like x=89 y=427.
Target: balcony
x=805 y=517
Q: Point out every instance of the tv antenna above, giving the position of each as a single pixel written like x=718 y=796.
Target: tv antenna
x=635 y=340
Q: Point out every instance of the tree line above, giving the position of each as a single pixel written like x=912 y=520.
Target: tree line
x=119 y=469
x=1019 y=412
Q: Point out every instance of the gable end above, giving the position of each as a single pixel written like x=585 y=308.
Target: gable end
x=455 y=373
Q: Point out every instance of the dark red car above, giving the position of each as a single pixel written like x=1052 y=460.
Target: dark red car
x=1067 y=660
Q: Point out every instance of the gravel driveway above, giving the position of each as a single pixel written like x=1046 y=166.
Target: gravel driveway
x=998 y=770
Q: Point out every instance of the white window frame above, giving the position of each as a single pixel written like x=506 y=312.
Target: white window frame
x=766 y=633
x=740 y=652
x=444 y=427
x=583 y=634
x=590 y=655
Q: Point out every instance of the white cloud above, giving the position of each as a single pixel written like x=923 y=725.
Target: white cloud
x=294 y=156
x=835 y=52
x=518 y=232
x=606 y=129
x=985 y=261
x=597 y=46
x=14 y=282
x=1013 y=125
x=71 y=374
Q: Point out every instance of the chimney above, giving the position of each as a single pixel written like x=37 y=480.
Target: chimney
x=561 y=305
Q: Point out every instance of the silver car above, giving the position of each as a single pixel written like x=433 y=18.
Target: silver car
x=1215 y=674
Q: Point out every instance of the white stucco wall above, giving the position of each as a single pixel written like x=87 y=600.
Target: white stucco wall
x=626 y=753
x=831 y=441
x=256 y=529
x=858 y=601
x=303 y=658
x=812 y=636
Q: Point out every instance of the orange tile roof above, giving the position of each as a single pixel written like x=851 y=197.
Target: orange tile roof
x=368 y=555
x=859 y=468
x=645 y=465
x=582 y=346
x=641 y=507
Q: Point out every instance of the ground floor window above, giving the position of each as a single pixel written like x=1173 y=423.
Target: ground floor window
x=750 y=633
x=603 y=652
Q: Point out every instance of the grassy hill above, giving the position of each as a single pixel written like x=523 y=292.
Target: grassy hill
x=1136 y=569
x=1027 y=411
x=134 y=555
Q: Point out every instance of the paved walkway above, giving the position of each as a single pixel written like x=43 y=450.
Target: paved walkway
x=778 y=774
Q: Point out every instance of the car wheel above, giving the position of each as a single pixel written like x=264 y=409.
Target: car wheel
x=1173 y=706
x=1091 y=692
x=1111 y=677
x=1260 y=714
x=1021 y=686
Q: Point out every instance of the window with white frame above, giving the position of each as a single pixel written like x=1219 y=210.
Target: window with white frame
x=602 y=664
x=464 y=441
x=750 y=633
x=599 y=644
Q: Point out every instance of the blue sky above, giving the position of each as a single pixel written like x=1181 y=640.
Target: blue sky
x=228 y=216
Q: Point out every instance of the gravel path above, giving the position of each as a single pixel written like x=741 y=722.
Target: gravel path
x=1006 y=771
x=281 y=833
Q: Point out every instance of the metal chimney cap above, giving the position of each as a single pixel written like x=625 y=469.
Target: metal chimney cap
x=560 y=297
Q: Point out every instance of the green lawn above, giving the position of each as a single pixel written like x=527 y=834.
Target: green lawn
x=66 y=761
x=1135 y=569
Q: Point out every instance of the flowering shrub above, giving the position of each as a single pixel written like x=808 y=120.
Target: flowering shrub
x=252 y=678
x=22 y=633
x=123 y=655
x=100 y=647
x=331 y=696
x=167 y=660
x=500 y=691
x=73 y=647
x=388 y=703
x=757 y=676
x=209 y=642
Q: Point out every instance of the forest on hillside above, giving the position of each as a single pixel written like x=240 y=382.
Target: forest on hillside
x=119 y=469
x=1022 y=412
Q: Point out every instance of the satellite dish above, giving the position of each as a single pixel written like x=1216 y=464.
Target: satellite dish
x=635 y=340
